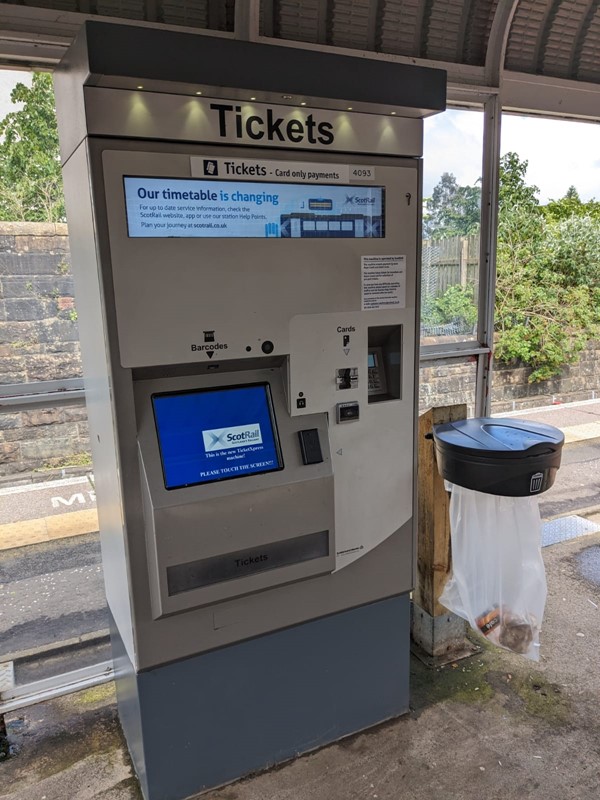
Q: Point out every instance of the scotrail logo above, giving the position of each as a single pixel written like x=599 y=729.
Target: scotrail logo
x=357 y=200
x=224 y=438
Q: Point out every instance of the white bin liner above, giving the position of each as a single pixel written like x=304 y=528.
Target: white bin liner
x=498 y=582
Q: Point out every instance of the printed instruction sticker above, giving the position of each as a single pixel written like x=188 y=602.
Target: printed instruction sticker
x=383 y=282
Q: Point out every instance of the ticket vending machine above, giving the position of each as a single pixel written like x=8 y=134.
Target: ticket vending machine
x=244 y=225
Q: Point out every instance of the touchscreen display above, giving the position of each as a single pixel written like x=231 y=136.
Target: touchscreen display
x=214 y=434
x=176 y=207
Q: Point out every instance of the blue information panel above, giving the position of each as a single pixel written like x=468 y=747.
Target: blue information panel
x=214 y=434
x=174 y=207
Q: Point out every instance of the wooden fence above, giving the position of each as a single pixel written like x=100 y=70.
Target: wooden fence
x=447 y=262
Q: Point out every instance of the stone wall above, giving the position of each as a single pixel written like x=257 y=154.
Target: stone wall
x=446 y=382
x=450 y=381
x=511 y=390
x=39 y=342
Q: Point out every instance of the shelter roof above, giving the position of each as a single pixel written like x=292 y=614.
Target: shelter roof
x=542 y=49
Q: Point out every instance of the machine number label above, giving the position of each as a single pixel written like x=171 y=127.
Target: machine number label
x=362 y=173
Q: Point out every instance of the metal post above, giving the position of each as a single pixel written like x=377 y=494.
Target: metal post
x=247 y=20
x=487 y=253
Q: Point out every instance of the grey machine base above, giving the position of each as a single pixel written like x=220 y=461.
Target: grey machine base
x=208 y=720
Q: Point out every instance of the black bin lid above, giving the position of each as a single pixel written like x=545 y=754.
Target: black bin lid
x=499 y=456
x=498 y=437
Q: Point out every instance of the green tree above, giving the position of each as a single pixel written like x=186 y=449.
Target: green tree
x=574 y=250
x=30 y=176
x=452 y=210
x=547 y=306
x=571 y=205
x=456 y=306
x=513 y=188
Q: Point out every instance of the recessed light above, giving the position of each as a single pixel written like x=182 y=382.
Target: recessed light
x=349 y=108
x=139 y=87
x=253 y=98
x=393 y=113
x=198 y=93
x=302 y=104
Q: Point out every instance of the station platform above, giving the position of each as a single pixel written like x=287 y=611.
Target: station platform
x=494 y=725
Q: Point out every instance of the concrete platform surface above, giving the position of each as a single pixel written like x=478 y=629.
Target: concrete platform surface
x=493 y=726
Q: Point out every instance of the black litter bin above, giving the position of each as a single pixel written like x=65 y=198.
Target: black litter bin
x=500 y=456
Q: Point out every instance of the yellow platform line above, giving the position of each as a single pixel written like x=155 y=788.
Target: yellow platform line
x=579 y=433
x=45 y=529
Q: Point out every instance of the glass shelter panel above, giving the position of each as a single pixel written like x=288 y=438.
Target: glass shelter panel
x=548 y=278
x=451 y=224
x=51 y=581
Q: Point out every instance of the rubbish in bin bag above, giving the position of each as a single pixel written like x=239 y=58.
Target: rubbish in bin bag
x=498 y=582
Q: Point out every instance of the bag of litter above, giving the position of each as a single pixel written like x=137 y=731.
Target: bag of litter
x=498 y=582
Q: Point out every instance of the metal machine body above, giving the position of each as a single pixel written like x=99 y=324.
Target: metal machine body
x=247 y=289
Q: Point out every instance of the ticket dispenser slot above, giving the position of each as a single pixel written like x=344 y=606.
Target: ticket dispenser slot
x=384 y=363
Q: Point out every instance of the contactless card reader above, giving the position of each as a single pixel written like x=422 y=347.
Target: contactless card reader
x=347 y=412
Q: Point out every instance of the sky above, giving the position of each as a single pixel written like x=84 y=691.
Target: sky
x=8 y=79
x=560 y=154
